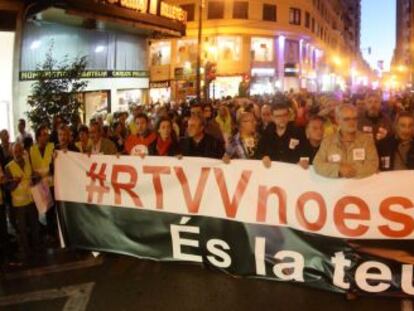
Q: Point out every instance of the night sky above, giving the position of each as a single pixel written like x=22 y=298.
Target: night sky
x=378 y=30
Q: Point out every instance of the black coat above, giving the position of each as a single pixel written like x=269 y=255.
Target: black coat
x=387 y=150
x=284 y=148
x=172 y=151
x=208 y=147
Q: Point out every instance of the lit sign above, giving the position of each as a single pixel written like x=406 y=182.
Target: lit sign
x=173 y=12
x=143 y=6
x=138 y=5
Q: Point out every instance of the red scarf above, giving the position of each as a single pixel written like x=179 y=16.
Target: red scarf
x=163 y=146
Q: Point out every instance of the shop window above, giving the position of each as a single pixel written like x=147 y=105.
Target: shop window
x=269 y=12
x=241 y=9
x=160 y=53
x=307 y=20
x=262 y=49
x=229 y=48
x=295 y=16
x=215 y=10
x=189 y=8
x=186 y=53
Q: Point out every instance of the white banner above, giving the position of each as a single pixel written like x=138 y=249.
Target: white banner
x=378 y=207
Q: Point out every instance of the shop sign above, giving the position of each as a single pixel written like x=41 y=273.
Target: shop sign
x=88 y=74
x=159 y=85
x=138 y=5
x=166 y=10
x=173 y=12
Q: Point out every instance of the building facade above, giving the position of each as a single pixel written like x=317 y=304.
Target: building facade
x=113 y=36
x=403 y=59
x=274 y=45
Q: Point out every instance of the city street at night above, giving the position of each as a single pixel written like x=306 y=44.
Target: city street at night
x=206 y=155
x=124 y=283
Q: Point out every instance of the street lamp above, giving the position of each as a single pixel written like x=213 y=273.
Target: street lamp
x=401 y=68
x=200 y=33
x=337 y=60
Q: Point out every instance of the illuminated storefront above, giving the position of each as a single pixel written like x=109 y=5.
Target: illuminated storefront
x=112 y=34
x=222 y=87
x=6 y=79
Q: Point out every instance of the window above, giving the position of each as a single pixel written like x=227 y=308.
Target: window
x=189 y=8
x=215 y=10
x=262 y=49
x=307 y=20
x=294 y=16
x=269 y=12
x=241 y=9
x=313 y=25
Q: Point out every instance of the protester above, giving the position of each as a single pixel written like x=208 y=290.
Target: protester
x=280 y=143
x=56 y=122
x=266 y=119
x=372 y=120
x=20 y=175
x=244 y=144
x=4 y=243
x=84 y=144
x=117 y=136
x=6 y=153
x=199 y=143
x=99 y=144
x=137 y=144
x=41 y=154
x=225 y=122
x=166 y=143
x=23 y=135
x=64 y=138
x=41 y=159
x=396 y=152
x=309 y=147
x=347 y=153
x=212 y=127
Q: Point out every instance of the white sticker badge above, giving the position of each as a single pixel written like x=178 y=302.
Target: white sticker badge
x=293 y=143
x=335 y=158
x=359 y=154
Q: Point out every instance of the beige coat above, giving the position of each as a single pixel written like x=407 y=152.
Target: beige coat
x=361 y=153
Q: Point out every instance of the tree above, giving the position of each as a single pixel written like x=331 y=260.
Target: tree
x=57 y=89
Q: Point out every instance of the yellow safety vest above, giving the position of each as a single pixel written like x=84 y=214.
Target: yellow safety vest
x=41 y=165
x=21 y=195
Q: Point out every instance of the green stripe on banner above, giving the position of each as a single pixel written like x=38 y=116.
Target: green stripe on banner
x=257 y=251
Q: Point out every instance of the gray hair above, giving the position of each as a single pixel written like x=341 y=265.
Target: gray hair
x=339 y=109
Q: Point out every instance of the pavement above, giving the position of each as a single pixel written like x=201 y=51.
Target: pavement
x=76 y=280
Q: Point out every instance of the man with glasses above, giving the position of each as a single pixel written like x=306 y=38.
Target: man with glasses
x=348 y=153
x=281 y=142
x=396 y=152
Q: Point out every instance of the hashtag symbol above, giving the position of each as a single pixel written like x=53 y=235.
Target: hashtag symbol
x=99 y=188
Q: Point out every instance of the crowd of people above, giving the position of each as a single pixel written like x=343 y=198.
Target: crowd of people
x=342 y=137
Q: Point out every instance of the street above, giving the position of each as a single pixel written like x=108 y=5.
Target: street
x=112 y=282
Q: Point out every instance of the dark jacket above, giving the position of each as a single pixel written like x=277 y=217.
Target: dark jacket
x=281 y=148
x=173 y=150
x=208 y=147
x=387 y=150
x=306 y=150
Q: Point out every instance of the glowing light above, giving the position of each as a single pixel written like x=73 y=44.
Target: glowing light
x=99 y=49
x=35 y=44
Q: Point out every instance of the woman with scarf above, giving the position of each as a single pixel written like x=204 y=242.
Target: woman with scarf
x=166 y=143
